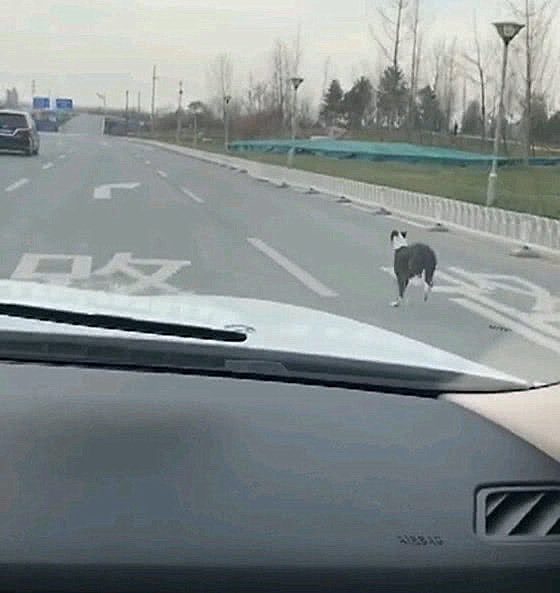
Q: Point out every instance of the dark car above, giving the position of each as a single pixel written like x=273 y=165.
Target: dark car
x=18 y=132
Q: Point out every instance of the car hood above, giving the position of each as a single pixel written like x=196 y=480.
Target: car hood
x=268 y=325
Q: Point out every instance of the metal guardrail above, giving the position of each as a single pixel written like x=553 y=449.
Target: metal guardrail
x=525 y=229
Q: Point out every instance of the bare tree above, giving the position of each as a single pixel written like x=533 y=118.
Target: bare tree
x=285 y=63
x=414 y=62
x=477 y=59
x=538 y=17
x=445 y=76
x=391 y=18
x=220 y=79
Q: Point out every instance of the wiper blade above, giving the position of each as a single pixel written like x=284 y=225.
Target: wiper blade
x=117 y=322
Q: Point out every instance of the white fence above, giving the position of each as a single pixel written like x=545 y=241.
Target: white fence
x=526 y=229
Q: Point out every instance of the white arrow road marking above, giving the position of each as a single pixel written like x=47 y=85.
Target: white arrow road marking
x=303 y=276
x=103 y=192
x=17 y=184
x=47 y=165
x=192 y=196
x=162 y=173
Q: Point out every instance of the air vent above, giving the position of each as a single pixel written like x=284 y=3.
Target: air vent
x=519 y=513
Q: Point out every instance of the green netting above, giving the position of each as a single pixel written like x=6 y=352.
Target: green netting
x=382 y=151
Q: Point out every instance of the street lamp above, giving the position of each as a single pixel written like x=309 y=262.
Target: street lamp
x=507 y=31
x=179 y=112
x=194 y=108
x=227 y=99
x=296 y=81
x=104 y=99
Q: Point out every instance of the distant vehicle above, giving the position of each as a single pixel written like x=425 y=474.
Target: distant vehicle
x=18 y=132
x=46 y=121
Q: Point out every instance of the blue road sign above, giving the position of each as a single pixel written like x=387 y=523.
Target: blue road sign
x=41 y=103
x=64 y=104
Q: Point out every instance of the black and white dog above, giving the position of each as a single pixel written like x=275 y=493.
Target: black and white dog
x=411 y=261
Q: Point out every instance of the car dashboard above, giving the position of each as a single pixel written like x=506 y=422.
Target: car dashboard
x=155 y=481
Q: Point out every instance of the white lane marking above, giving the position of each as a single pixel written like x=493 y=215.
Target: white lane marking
x=17 y=184
x=62 y=156
x=192 y=196
x=519 y=328
x=474 y=291
x=103 y=192
x=162 y=173
x=47 y=166
x=148 y=162
x=292 y=268
x=123 y=263
x=104 y=144
x=79 y=269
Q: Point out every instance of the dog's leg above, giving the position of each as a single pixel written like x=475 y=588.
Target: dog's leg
x=427 y=286
x=427 y=289
x=402 y=287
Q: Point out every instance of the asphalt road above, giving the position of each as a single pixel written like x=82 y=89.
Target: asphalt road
x=181 y=225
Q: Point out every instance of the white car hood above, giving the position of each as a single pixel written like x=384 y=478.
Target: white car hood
x=272 y=326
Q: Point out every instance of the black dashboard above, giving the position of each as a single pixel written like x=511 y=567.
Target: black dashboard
x=136 y=481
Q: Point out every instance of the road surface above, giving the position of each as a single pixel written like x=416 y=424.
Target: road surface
x=112 y=214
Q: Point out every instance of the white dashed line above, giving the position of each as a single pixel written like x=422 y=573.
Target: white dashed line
x=62 y=156
x=148 y=162
x=192 y=196
x=47 y=166
x=17 y=184
x=162 y=173
x=303 y=276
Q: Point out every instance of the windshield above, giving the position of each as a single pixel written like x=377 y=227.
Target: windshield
x=12 y=121
x=394 y=163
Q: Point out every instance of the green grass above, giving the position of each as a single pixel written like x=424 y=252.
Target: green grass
x=524 y=189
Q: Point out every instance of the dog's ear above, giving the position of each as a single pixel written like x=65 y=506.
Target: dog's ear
x=403 y=233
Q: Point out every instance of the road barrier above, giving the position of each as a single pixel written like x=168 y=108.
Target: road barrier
x=527 y=230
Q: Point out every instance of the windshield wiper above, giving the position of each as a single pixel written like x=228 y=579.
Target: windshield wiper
x=117 y=322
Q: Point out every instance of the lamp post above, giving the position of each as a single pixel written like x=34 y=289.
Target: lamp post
x=227 y=99
x=179 y=113
x=296 y=81
x=126 y=111
x=507 y=31
x=104 y=99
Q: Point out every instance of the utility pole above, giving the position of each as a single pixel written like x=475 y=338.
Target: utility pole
x=32 y=88
x=126 y=111
x=227 y=99
x=154 y=78
x=179 y=113
x=296 y=81
x=507 y=32
x=139 y=104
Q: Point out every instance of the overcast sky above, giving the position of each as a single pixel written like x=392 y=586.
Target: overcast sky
x=76 y=48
